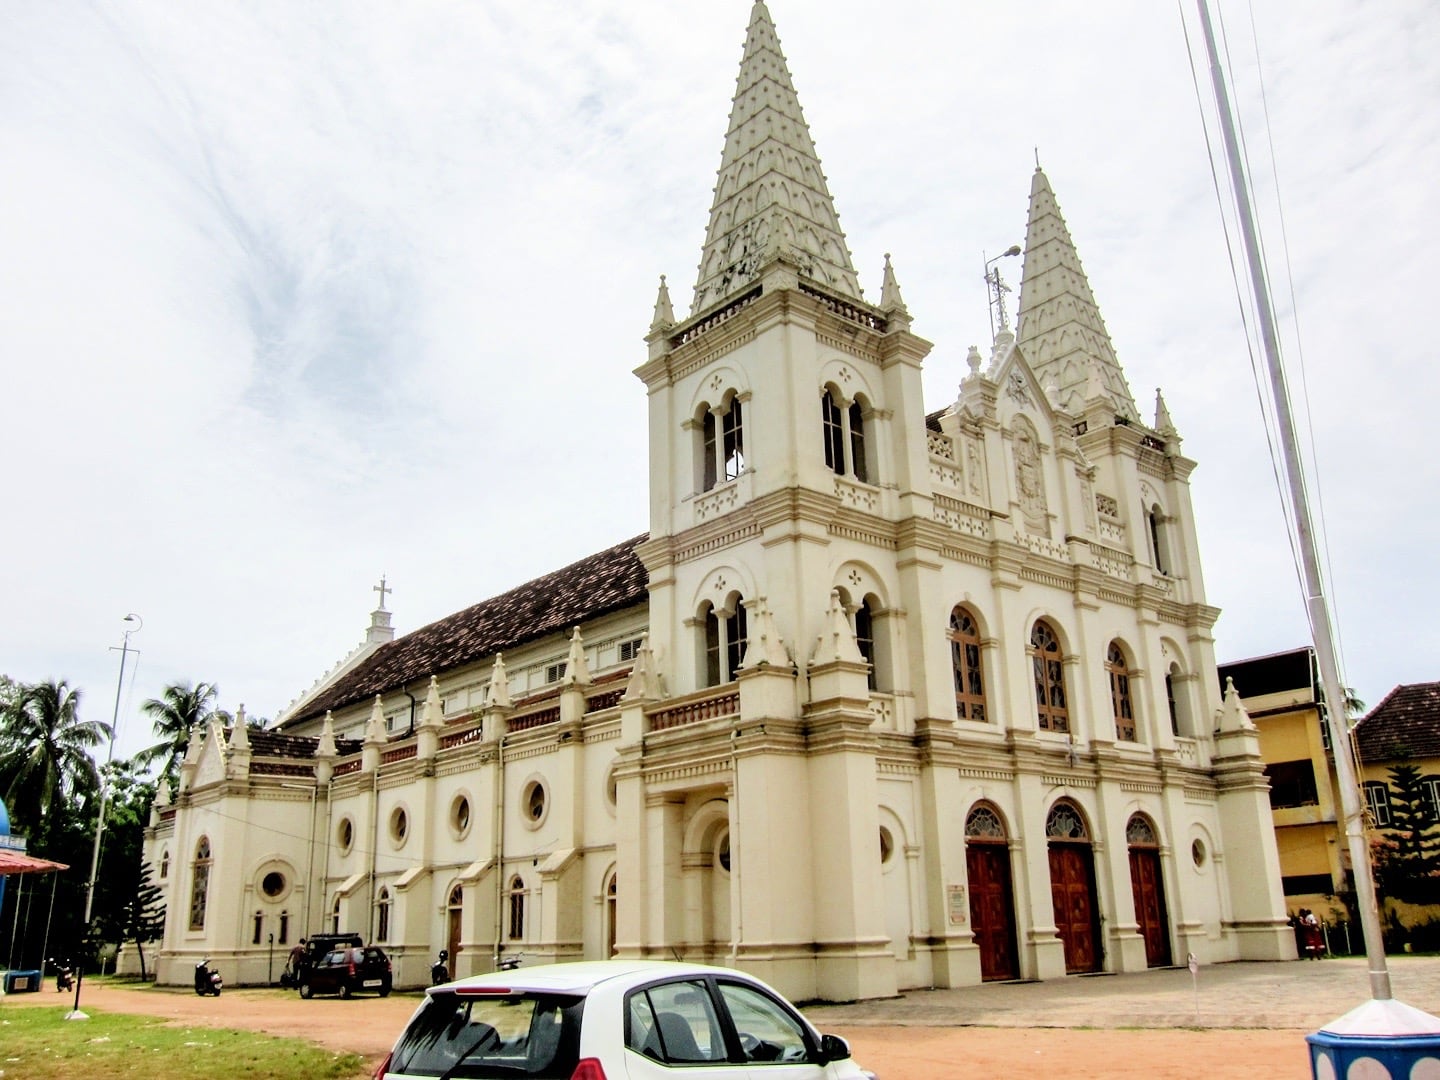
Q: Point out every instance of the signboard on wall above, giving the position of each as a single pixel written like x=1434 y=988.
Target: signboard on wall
x=955 y=904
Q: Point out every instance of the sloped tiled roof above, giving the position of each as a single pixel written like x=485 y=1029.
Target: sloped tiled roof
x=1405 y=725
x=598 y=585
x=278 y=744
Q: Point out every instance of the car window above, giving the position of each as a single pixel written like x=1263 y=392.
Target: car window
x=469 y=1037
x=768 y=1033
x=336 y=957
x=675 y=1023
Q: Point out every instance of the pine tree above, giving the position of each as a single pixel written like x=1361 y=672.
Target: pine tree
x=145 y=915
x=1411 y=873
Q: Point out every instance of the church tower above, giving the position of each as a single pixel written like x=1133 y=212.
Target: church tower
x=781 y=462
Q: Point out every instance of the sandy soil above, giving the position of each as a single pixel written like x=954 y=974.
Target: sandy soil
x=369 y=1026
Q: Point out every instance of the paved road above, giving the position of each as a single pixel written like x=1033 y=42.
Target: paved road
x=1135 y=1027
x=1303 y=994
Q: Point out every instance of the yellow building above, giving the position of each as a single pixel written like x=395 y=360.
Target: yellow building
x=1282 y=694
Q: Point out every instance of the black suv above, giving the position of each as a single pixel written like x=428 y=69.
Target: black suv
x=348 y=971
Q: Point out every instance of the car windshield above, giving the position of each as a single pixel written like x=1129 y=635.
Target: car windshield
x=467 y=1036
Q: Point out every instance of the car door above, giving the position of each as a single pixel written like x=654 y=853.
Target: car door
x=696 y=1028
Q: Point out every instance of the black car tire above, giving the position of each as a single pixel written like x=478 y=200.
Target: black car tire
x=307 y=991
x=385 y=991
x=345 y=991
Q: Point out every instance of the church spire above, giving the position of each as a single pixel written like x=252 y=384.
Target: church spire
x=1061 y=332
x=770 y=193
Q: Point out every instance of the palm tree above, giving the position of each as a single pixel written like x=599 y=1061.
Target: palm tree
x=45 y=750
x=178 y=709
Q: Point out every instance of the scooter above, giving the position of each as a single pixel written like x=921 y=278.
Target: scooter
x=64 y=977
x=207 y=979
x=439 y=973
x=511 y=962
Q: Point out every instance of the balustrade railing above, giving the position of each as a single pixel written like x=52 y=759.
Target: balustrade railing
x=691 y=712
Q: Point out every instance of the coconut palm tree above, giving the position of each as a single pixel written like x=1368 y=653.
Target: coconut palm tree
x=178 y=709
x=45 y=750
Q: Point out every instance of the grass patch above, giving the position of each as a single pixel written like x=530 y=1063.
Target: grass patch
x=40 y=1044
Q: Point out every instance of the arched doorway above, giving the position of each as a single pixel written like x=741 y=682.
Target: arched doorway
x=992 y=900
x=453 y=909
x=611 y=894
x=1149 y=889
x=1072 y=887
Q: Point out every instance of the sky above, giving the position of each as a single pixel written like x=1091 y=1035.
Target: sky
x=296 y=295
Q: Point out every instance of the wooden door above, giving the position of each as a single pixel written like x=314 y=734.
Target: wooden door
x=452 y=939
x=1072 y=890
x=1149 y=891
x=992 y=909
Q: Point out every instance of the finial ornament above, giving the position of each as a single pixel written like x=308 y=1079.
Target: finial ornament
x=382 y=590
x=664 y=313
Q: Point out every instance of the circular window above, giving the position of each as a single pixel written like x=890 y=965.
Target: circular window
x=399 y=824
x=534 y=803
x=345 y=835
x=460 y=816
x=273 y=884
x=1197 y=853
x=722 y=851
x=887 y=845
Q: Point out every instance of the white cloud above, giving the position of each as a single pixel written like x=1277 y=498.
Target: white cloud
x=293 y=296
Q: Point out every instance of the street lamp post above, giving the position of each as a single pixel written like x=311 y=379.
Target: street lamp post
x=75 y=1013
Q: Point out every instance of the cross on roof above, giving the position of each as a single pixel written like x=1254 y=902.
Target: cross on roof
x=382 y=590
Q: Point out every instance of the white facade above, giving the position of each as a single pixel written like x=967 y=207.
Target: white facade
x=826 y=762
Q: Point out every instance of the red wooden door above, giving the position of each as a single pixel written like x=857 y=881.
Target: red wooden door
x=992 y=909
x=1149 y=890
x=1072 y=890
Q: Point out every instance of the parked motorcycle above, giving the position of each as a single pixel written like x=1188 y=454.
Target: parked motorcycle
x=207 y=979
x=439 y=973
x=64 y=977
x=511 y=962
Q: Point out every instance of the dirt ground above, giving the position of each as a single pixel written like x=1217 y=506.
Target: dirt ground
x=369 y=1026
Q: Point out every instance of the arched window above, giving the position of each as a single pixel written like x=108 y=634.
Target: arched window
x=834 y=425
x=517 y=908
x=283 y=937
x=165 y=864
x=259 y=925
x=858 y=463
x=984 y=825
x=1049 y=672
x=722 y=444
x=725 y=638
x=865 y=639
x=382 y=918
x=1121 y=705
x=965 y=657
x=200 y=884
x=1066 y=822
x=843 y=427
x=335 y=916
x=1170 y=700
x=1139 y=832
x=1159 y=551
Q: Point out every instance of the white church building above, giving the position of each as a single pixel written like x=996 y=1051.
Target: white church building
x=887 y=697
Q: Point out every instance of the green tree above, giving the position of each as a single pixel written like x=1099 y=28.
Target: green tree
x=143 y=918
x=1411 y=865
x=178 y=709
x=45 y=765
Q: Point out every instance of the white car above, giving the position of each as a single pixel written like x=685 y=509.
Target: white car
x=614 y=1020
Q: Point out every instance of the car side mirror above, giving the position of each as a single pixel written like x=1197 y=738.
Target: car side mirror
x=833 y=1048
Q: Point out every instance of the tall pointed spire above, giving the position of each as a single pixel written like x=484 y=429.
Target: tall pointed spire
x=1061 y=331
x=770 y=194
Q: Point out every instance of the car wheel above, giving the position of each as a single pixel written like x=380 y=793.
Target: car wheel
x=385 y=990
x=345 y=991
x=307 y=991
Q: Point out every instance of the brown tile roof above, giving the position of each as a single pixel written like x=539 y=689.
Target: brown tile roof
x=277 y=744
x=598 y=585
x=1405 y=725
